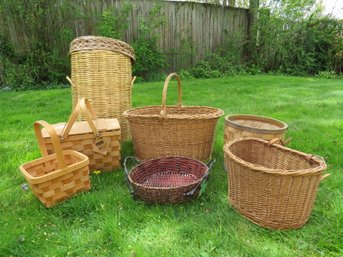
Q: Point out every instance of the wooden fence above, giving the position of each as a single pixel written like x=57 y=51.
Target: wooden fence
x=189 y=32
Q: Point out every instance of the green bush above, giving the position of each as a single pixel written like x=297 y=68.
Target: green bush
x=149 y=60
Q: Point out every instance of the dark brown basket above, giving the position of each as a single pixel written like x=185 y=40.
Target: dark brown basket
x=167 y=179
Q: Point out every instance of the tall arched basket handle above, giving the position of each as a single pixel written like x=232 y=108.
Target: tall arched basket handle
x=54 y=139
x=164 y=93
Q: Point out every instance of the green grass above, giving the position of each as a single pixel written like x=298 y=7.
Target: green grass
x=107 y=222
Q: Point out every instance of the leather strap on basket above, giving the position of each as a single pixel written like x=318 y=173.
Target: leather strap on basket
x=88 y=113
x=164 y=93
x=54 y=139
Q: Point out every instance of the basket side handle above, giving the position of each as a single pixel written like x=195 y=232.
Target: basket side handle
x=54 y=139
x=132 y=192
x=203 y=182
x=164 y=93
x=283 y=142
x=83 y=106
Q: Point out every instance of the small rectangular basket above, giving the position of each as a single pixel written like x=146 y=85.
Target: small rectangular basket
x=272 y=185
x=99 y=139
x=58 y=176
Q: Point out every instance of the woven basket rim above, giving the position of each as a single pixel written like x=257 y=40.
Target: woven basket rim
x=304 y=172
x=83 y=161
x=166 y=188
x=130 y=113
x=229 y=121
x=129 y=53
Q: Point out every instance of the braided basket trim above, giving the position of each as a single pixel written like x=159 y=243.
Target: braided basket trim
x=101 y=43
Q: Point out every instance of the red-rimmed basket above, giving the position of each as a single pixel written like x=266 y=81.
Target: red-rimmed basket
x=57 y=176
x=272 y=185
x=167 y=179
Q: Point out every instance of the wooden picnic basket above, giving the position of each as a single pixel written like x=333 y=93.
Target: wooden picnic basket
x=160 y=131
x=167 y=179
x=58 y=176
x=99 y=139
x=101 y=71
x=272 y=185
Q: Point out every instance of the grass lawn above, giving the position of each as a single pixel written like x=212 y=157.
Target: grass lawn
x=107 y=222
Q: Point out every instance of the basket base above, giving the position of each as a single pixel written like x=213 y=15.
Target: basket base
x=270 y=224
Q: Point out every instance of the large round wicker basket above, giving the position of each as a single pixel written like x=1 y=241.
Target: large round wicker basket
x=272 y=185
x=101 y=71
x=160 y=131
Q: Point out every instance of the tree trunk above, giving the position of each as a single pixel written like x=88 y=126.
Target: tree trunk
x=253 y=28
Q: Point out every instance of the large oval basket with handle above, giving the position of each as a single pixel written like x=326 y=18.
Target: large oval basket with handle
x=159 y=131
x=272 y=185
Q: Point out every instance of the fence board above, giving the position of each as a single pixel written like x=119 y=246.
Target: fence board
x=200 y=28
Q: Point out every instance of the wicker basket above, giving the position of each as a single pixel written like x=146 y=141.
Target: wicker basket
x=272 y=185
x=160 y=131
x=245 y=125
x=58 y=176
x=99 y=139
x=168 y=179
x=101 y=71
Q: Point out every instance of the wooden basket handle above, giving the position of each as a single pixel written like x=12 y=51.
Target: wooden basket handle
x=87 y=111
x=164 y=93
x=54 y=139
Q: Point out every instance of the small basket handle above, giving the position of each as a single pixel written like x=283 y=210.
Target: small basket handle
x=132 y=192
x=88 y=113
x=283 y=142
x=203 y=180
x=54 y=139
x=164 y=93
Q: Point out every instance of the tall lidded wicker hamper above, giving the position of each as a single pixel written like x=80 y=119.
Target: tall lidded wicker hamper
x=101 y=71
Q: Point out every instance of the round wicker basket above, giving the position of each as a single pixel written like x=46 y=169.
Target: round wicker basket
x=101 y=71
x=245 y=125
x=167 y=179
x=160 y=131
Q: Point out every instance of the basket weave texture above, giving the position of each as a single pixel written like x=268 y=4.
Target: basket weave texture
x=101 y=71
x=245 y=125
x=272 y=185
x=168 y=179
x=160 y=131
x=58 y=176
x=99 y=139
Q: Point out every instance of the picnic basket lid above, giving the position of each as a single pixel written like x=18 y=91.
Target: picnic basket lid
x=82 y=127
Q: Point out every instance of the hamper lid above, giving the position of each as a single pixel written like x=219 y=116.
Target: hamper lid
x=82 y=127
x=101 y=43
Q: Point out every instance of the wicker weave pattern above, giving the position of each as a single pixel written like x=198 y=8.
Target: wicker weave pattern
x=61 y=188
x=97 y=161
x=160 y=131
x=167 y=180
x=273 y=186
x=104 y=76
x=58 y=176
x=101 y=43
